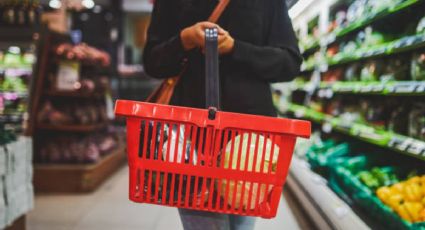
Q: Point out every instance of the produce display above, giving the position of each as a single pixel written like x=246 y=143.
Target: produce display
x=377 y=177
x=83 y=53
x=15 y=77
x=86 y=149
x=76 y=113
x=407 y=198
x=418 y=67
x=362 y=83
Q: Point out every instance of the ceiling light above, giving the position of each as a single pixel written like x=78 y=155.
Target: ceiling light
x=55 y=4
x=88 y=4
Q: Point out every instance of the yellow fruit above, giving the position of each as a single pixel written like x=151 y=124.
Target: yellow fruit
x=395 y=200
x=397 y=188
x=383 y=194
x=422 y=216
x=415 y=179
x=413 y=192
x=403 y=213
x=423 y=200
x=414 y=209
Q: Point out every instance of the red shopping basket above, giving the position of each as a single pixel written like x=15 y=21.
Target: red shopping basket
x=208 y=160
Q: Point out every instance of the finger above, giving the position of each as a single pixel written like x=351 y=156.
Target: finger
x=205 y=25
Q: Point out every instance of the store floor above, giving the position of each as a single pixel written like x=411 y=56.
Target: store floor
x=109 y=209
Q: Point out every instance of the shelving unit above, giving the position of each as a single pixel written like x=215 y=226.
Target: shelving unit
x=379 y=137
x=73 y=174
x=392 y=88
x=62 y=178
x=361 y=86
x=72 y=128
x=16 y=195
x=323 y=206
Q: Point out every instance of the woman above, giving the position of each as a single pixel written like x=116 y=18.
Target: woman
x=257 y=46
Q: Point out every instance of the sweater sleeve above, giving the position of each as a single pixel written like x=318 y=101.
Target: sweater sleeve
x=280 y=58
x=164 y=54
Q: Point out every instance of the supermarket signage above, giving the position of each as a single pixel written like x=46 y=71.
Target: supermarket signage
x=68 y=76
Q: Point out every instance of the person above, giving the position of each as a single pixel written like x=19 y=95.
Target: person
x=257 y=46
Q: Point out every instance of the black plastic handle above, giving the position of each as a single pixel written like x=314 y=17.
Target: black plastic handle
x=212 y=80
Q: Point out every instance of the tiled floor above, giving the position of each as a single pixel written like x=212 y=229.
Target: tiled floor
x=109 y=209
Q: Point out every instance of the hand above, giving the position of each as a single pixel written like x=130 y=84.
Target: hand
x=226 y=43
x=194 y=36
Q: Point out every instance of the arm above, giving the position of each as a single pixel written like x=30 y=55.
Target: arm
x=164 y=53
x=280 y=58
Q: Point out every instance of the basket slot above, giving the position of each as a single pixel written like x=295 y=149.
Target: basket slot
x=164 y=189
x=194 y=132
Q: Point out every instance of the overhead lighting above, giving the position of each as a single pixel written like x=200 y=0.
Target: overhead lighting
x=55 y=4
x=88 y=4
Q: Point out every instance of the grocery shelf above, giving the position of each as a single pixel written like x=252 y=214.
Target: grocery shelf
x=362 y=23
x=391 y=88
x=325 y=208
x=72 y=128
x=62 y=178
x=404 y=44
x=313 y=47
x=399 y=143
x=76 y=94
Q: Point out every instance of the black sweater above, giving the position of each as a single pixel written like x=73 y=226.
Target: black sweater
x=265 y=51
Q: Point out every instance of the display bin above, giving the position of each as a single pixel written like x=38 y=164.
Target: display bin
x=345 y=182
x=321 y=159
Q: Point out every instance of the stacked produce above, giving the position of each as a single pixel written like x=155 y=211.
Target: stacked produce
x=87 y=149
x=407 y=198
x=76 y=113
x=83 y=53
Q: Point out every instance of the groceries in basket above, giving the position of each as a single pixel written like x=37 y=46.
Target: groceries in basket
x=257 y=154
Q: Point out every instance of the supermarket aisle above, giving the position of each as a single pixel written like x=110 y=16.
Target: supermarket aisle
x=109 y=208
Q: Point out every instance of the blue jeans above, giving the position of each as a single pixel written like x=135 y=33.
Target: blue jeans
x=195 y=220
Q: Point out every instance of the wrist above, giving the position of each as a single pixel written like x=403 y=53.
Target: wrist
x=185 y=40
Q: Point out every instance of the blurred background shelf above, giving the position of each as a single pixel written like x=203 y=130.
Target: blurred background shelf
x=77 y=178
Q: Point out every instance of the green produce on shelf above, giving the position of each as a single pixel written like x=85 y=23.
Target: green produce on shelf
x=378 y=177
x=418 y=66
x=406 y=198
x=13 y=84
x=421 y=26
x=321 y=156
x=417 y=122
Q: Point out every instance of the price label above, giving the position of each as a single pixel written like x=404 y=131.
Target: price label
x=417 y=148
x=404 y=88
x=420 y=88
x=404 y=144
x=68 y=76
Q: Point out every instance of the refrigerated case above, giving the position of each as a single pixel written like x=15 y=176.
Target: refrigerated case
x=362 y=85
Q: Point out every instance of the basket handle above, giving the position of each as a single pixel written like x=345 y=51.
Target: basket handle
x=212 y=81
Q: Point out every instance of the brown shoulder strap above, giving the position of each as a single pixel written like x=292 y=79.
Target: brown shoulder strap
x=218 y=11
